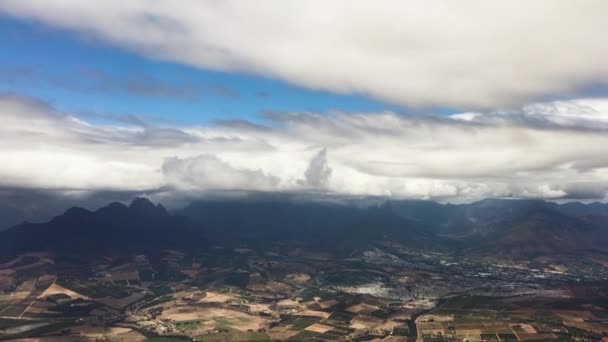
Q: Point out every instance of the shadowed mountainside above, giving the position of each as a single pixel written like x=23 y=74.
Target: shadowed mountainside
x=510 y=228
x=115 y=227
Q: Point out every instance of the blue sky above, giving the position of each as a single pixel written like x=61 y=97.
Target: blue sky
x=78 y=74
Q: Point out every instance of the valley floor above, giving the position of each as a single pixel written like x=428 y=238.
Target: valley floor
x=387 y=293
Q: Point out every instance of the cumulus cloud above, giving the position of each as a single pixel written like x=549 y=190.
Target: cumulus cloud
x=542 y=150
x=465 y=54
x=318 y=172
x=578 y=114
x=208 y=172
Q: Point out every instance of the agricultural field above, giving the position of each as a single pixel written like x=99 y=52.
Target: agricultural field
x=477 y=318
x=246 y=297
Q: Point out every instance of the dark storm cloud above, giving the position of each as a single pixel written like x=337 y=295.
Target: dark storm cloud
x=586 y=191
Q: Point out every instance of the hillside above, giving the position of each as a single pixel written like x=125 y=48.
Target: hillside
x=116 y=227
x=517 y=229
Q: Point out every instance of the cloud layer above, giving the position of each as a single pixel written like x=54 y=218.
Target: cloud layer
x=546 y=150
x=208 y=172
x=466 y=54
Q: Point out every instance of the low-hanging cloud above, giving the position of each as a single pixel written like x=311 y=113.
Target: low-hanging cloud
x=464 y=54
x=542 y=150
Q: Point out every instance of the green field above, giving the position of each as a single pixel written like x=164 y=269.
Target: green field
x=310 y=294
x=237 y=279
x=300 y=322
x=235 y=336
x=187 y=325
x=96 y=290
x=156 y=301
x=469 y=304
x=305 y=335
x=341 y=317
x=161 y=289
x=167 y=339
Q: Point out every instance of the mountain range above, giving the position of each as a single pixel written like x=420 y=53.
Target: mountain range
x=510 y=228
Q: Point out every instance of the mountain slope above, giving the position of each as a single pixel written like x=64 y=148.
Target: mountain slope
x=117 y=227
x=509 y=228
x=332 y=227
x=542 y=232
x=517 y=229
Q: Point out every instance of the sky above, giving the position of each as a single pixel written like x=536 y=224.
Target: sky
x=440 y=100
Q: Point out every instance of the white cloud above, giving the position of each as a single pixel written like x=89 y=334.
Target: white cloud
x=490 y=154
x=465 y=116
x=208 y=172
x=465 y=54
